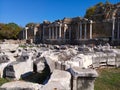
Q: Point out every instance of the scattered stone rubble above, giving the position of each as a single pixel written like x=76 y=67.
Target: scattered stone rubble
x=20 y=85
x=67 y=65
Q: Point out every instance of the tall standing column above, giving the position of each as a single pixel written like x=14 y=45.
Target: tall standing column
x=77 y=32
x=43 y=32
x=118 y=33
x=56 y=32
x=52 y=32
x=60 y=31
x=90 y=29
x=113 y=29
x=35 y=30
x=70 y=34
x=85 y=32
x=49 y=33
x=65 y=27
x=26 y=28
x=80 y=30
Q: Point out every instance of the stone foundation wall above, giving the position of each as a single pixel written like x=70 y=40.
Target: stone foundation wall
x=102 y=29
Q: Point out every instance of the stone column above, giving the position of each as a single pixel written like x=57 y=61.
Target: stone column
x=90 y=29
x=43 y=32
x=60 y=31
x=118 y=32
x=77 y=32
x=65 y=27
x=49 y=32
x=113 y=29
x=35 y=30
x=52 y=32
x=26 y=37
x=69 y=33
x=80 y=30
x=56 y=32
x=85 y=32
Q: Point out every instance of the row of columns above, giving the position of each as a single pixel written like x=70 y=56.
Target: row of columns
x=55 y=32
x=80 y=29
x=25 y=33
x=113 y=29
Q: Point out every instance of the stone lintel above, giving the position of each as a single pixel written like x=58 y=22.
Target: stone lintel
x=78 y=72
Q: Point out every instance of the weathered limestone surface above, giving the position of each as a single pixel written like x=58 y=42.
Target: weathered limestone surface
x=72 y=59
x=8 y=47
x=5 y=59
x=24 y=64
x=39 y=64
x=20 y=85
x=59 y=80
x=83 y=79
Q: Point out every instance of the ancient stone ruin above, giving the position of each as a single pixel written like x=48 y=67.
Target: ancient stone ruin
x=63 y=67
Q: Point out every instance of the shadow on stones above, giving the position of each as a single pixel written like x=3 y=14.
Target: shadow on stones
x=41 y=78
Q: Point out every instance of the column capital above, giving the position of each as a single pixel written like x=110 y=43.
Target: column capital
x=26 y=28
x=91 y=21
x=60 y=24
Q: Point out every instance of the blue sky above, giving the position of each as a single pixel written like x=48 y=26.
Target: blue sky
x=25 y=11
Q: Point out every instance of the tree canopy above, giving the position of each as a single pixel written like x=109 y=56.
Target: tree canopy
x=31 y=24
x=9 y=31
x=98 y=8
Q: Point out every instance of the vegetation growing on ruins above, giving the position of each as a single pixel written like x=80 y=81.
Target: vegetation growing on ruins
x=9 y=31
x=3 y=80
x=96 y=9
x=109 y=79
x=31 y=24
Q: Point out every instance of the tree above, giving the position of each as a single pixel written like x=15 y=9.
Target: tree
x=107 y=2
x=90 y=11
x=9 y=31
x=30 y=24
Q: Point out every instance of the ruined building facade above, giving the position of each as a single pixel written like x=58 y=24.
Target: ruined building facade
x=107 y=17
x=104 y=23
x=68 y=30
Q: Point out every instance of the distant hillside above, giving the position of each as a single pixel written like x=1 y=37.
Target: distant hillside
x=103 y=11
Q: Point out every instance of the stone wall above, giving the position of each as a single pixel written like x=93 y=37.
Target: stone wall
x=102 y=29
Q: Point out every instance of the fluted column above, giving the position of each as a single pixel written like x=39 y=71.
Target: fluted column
x=26 y=28
x=113 y=29
x=85 y=32
x=60 y=31
x=80 y=30
x=90 y=29
x=56 y=32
